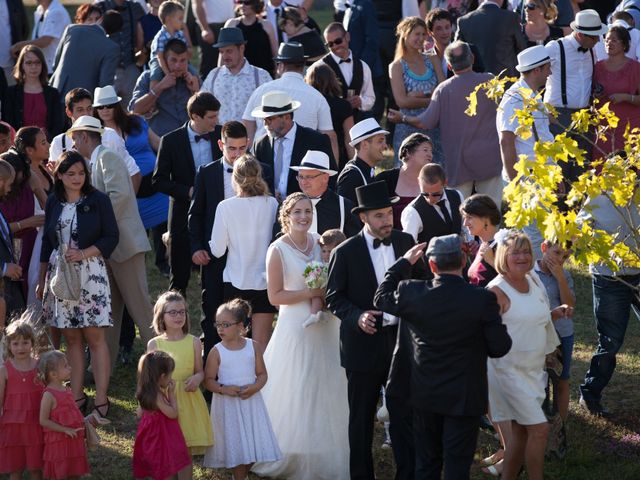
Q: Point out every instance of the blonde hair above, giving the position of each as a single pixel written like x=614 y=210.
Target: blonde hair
x=47 y=363
x=238 y=308
x=19 y=328
x=514 y=240
x=247 y=175
x=332 y=238
x=158 y=311
x=403 y=30
x=550 y=10
x=287 y=206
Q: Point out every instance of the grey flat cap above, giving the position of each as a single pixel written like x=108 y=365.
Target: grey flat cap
x=445 y=245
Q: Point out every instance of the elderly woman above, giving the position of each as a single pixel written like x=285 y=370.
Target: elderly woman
x=31 y=101
x=540 y=16
x=242 y=229
x=415 y=152
x=516 y=381
x=80 y=223
x=292 y=23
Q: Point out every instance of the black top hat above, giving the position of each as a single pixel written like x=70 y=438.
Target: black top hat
x=230 y=36
x=373 y=196
x=291 y=52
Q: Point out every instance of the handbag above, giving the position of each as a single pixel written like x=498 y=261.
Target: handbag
x=65 y=282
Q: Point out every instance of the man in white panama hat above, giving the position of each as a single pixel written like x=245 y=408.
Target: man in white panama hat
x=286 y=141
x=369 y=140
x=569 y=86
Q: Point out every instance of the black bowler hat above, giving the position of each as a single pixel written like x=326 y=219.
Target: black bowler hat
x=373 y=197
x=230 y=36
x=291 y=52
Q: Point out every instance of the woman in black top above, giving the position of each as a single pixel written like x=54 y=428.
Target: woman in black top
x=293 y=25
x=538 y=28
x=321 y=77
x=262 y=44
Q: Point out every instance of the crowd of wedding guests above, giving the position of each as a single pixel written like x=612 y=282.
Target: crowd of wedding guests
x=366 y=263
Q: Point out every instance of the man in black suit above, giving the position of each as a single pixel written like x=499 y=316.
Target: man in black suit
x=211 y=186
x=453 y=327
x=11 y=271
x=497 y=34
x=286 y=142
x=368 y=336
x=180 y=154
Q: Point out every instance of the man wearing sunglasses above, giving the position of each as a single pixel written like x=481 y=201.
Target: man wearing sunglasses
x=354 y=74
x=436 y=211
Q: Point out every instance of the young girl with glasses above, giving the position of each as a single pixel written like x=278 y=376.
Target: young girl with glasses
x=235 y=374
x=171 y=323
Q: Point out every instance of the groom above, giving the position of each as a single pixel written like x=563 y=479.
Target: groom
x=367 y=336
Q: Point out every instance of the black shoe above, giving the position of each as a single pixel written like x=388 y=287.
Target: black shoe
x=594 y=407
x=125 y=356
x=164 y=269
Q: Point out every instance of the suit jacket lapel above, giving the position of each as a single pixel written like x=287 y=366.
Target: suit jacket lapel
x=367 y=263
x=218 y=180
x=298 y=150
x=187 y=148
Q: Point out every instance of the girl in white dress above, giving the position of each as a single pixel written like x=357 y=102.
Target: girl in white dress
x=306 y=395
x=238 y=414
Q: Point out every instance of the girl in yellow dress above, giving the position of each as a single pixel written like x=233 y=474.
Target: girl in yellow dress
x=171 y=323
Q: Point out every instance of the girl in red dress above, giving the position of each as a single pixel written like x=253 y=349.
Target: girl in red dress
x=160 y=450
x=20 y=394
x=65 y=453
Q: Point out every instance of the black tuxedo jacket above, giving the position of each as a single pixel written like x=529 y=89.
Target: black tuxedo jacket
x=208 y=192
x=175 y=172
x=306 y=139
x=350 y=289
x=453 y=327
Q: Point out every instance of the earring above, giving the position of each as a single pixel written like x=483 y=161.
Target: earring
x=486 y=225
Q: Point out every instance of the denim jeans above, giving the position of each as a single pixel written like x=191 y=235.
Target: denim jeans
x=612 y=303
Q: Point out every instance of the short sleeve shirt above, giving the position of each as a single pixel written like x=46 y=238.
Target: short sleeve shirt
x=50 y=23
x=564 y=326
x=161 y=39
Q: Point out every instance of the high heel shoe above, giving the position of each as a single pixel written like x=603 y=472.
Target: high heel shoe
x=96 y=409
x=82 y=403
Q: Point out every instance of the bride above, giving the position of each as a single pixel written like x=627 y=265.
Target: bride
x=306 y=394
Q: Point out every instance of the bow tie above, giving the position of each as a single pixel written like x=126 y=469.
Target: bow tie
x=205 y=137
x=385 y=241
x=348 y=60
x=583 y=50
x=229 y=170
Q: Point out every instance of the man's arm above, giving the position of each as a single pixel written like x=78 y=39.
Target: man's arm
x=367 y=95
x=508 y=152
x=197 y=210
x=201 y=17
x=163 y=172
x=387 y=296
x=109 y=65
x=496 y=337
x=117 y=183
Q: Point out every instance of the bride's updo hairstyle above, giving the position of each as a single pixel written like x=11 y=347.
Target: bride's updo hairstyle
x=287 y=207
x=247 y=175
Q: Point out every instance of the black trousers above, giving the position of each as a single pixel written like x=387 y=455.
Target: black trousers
x=447 y=439
x=211 y=299
x=180 y=261
x=402 y=437
x=209 y=54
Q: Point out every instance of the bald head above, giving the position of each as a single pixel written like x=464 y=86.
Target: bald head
x=459 y=56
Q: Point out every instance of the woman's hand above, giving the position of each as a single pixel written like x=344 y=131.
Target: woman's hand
x=487 y=253
x=317 y=292
x=74 y=255
x=562 y=311
x=33 y=221
x=417 y=94
x=394 y=116
x=40 y=290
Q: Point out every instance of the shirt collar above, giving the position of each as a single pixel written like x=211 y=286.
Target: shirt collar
x=226 y=164
x=337 y=58
x=245 y=70
x=291 y=134
x=94 y=155
x=370 y=238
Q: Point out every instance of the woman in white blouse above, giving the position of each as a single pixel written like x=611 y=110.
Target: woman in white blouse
x=243 y=229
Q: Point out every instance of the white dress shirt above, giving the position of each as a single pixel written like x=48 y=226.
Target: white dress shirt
x=216 y=11
x=579 y=69
x=227 y=175
x=110 y=140
x=243 y=226
x=382 y=258
x=50 y=23
x=287 y=146
x=6 y=60
x=272 y=18
x=314 y=110
x=411 y=221
x=512 y=101
x=200 y=150
x=234 y=89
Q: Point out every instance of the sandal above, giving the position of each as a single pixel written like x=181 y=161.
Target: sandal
x=96 y=409
x=491 y=470
x=493 y=459
x=82 y=403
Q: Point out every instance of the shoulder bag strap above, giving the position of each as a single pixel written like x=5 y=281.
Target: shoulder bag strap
x=563 y=74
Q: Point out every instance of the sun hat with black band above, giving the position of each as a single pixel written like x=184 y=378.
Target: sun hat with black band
x=104 y=96
x=373 y=196
x=229 y=36
x=86 y=123
x=275 y=103
x=365 y=129
x=588 y=22
x=315 y=160
x=532 y=57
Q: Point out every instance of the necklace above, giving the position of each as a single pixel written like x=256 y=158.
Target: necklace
x=306 y=245
x=22 y=373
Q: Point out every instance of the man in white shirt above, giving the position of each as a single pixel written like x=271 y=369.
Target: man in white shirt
x=354 y=74
x=13 y=28
x=210 y=17
x=236 y=79
x=78 y=102
x=568 y=88
x=49 y=21
x=314 y=112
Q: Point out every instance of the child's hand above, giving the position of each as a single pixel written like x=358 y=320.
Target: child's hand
x=72 y=432
x=171 y=387
x=248 y=390
x=231 y=390
x=192 y=383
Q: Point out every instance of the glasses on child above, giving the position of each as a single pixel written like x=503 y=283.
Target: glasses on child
x=175 y=313
x=225 y=324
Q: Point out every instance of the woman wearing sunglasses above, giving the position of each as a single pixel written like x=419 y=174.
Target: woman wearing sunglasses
x=540 y=16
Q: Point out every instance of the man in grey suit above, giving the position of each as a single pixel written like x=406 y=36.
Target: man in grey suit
x=496 y=32
x=86 y=57
x=127 y=271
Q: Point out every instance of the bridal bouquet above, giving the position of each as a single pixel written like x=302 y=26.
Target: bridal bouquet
x=315 y=276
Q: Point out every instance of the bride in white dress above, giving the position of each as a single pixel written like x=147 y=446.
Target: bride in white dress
x=306 y=394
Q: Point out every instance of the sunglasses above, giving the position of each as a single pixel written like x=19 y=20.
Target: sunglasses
x=530 y=6
x=102 y=107
x=337 y=41
x=434 y=195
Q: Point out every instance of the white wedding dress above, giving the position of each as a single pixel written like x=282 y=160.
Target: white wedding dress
x=306 y=394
